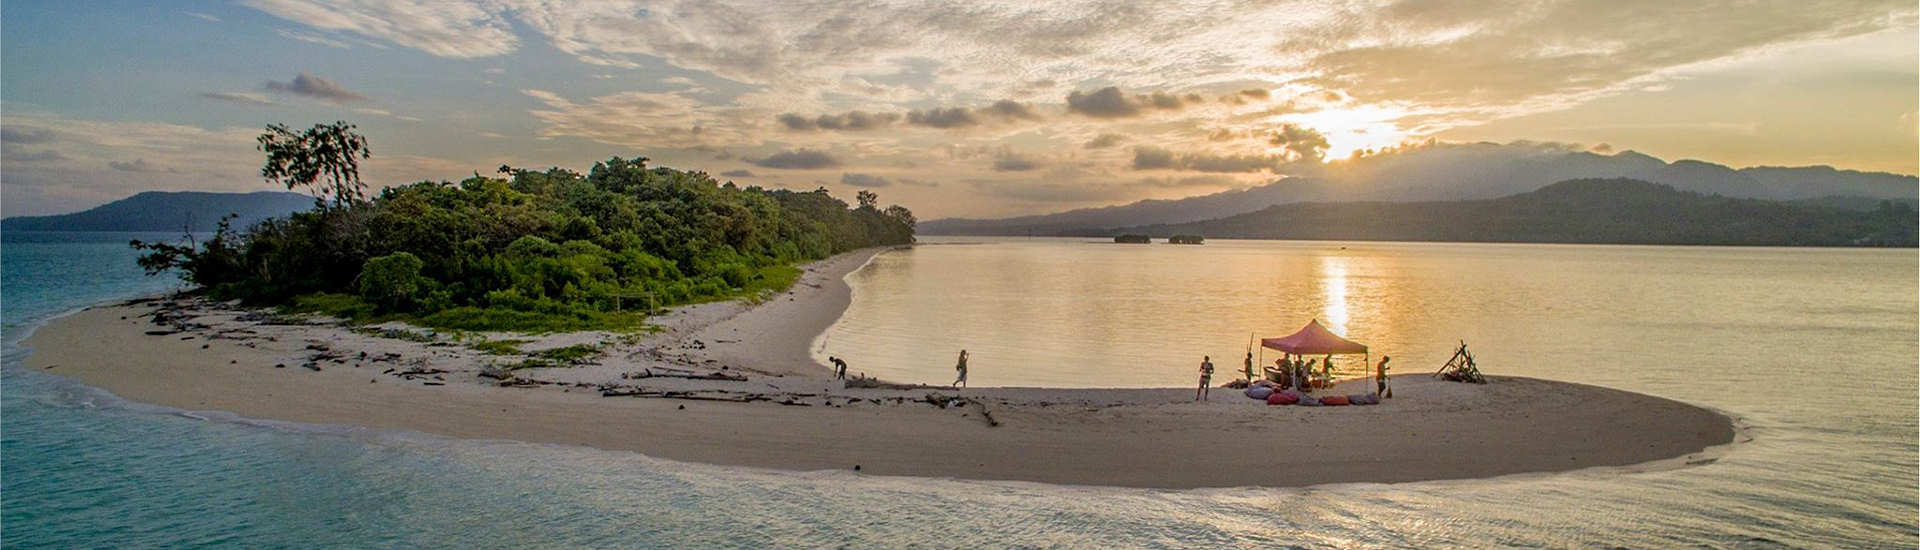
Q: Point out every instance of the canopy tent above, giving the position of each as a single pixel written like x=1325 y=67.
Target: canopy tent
x=1314 y=339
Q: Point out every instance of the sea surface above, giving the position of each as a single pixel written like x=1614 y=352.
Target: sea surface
x=1813 y=349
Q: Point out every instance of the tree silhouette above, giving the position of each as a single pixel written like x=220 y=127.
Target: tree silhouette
x=324 y=158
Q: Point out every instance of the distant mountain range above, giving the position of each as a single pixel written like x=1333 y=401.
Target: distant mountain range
x=1617 y=211
x=168 y=211
x=1460 y=172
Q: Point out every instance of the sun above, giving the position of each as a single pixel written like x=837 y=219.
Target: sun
x=1352 y=128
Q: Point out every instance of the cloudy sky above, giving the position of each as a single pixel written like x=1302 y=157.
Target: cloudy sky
x=951 y=107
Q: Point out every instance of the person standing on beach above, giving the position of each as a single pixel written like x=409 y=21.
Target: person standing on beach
x=1250 y=377
x=839 y=368
x=1206 y=377
x=961 y=367
x=1380 y=380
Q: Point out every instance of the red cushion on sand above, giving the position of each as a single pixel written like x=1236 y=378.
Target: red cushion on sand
x=1333 y=400
x=1282 y=398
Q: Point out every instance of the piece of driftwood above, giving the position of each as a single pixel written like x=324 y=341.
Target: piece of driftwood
x=648 y=373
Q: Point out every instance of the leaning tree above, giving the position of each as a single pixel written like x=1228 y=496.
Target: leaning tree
x=325 y=159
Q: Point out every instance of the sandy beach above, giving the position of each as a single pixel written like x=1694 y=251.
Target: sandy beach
x=732 y=383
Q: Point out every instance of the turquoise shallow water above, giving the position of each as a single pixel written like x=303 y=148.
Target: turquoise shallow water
x=81 y=469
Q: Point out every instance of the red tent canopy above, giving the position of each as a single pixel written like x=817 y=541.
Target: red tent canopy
x=1314 y=339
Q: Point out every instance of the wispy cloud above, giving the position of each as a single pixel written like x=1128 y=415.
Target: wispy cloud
x=243 y=98
x=313 y=39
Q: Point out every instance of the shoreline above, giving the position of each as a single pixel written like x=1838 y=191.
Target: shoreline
x=722 y=383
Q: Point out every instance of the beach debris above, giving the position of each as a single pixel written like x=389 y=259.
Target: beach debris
x=1460 y=367
x=649 y=373
x=315 y=367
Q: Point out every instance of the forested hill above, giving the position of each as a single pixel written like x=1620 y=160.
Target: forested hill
x=535 y=250
x=1622 y=211
x=168 y=211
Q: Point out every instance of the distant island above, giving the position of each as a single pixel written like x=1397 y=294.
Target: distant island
x=1611 y=211
x=194 y=211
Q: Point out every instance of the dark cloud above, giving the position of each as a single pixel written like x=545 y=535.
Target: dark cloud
x=1147 y=157
x=1243 y=96
x=139 y=165
x=936 y=117
x=737 y=174
x=1303 y=142
x=943 y=117
x=1007 y=108
x=1156 y=158
x=1013 y=162
x=243 y=99
x=850 y=120
x=1103 y=141
x=864 y=180
x=1110 y=102
x=1106 y=102
x=315 y=87
x=26 y=134
x=798 y=159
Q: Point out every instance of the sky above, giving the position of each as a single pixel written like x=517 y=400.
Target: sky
x=975 y=108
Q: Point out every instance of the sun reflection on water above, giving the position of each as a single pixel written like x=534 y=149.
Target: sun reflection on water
x=1333 y=276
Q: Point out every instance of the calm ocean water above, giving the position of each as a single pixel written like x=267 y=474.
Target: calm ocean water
x=1814 y=349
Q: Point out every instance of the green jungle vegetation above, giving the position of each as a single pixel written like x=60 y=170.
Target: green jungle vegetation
x=528 y=251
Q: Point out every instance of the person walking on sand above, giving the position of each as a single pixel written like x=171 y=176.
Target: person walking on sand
x=839 y=368
x=961 y=367
x=1206 y=378
x=1250 y=377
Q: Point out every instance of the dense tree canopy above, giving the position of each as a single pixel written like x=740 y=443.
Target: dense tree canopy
x=535 y=250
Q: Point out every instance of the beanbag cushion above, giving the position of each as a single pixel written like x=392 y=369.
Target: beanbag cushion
x=1263 y=382
x=1282 y=398
x=1334 y=401
x=1259 y=392
x=1309 y=401
x=1364 y=399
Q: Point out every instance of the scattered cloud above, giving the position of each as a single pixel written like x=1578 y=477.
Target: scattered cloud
x=243 y=98
x=315 y=87
x=1302 y=142
x=139 y=165
x=737 y=174
x=850 y=120
x=1009 y=161
x=1103 y=141
x=864 y=180
x=199 y=15
x=26 y=134
x=797 y=159
x=1110 y=102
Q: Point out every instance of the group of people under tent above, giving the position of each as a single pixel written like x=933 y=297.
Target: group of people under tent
x=1290 y=371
